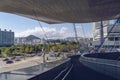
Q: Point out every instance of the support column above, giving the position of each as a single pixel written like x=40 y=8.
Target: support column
x=101 y=33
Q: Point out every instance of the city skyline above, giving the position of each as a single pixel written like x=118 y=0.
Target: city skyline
x=24 y=26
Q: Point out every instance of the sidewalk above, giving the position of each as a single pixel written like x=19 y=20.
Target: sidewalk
x=25 y=63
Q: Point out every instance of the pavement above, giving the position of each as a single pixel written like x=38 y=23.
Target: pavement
x=28 y=62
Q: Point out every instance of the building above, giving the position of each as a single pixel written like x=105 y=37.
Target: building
x=6 y=38
x=96 y=29
x=31 y=39
x=112 y=40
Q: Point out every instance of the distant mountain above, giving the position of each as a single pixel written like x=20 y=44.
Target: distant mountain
x=31 y=37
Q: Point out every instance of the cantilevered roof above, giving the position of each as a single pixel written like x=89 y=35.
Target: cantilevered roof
x=58 y=11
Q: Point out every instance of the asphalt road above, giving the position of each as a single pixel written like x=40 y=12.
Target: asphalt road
x=80 y=72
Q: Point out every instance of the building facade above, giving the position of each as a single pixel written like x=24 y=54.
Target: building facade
x=6 y=38
x=96 y=30
x=31 y=39
x=112 y=40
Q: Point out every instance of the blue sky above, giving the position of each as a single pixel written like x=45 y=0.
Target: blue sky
x=24 y=26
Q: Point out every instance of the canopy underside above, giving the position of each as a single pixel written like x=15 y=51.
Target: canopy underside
x=60 y=11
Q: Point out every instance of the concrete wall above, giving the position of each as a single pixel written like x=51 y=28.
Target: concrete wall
x=105 y=66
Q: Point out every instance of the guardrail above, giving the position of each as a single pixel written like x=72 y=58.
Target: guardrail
x=105 y=66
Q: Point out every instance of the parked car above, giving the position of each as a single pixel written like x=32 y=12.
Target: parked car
x=9 y=62
x=6 y=59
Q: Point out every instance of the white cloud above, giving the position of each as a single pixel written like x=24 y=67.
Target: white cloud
x=50 y=32
x=63 y=30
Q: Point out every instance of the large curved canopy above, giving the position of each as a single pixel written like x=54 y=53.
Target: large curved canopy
x=58 y=11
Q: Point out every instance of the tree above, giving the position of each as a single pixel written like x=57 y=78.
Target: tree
x=22 y=48
x=0 y=53
x=31 y=49
x=7 y=52
x=27 y=49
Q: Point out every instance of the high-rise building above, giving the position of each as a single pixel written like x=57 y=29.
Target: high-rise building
x=96 y=29
x=6 y=38
x=112 y=40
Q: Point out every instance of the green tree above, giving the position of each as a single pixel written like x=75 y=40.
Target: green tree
x=7 y=52
x=0 y=53
x=27 y=49
x=31 y=49
x=22 y=48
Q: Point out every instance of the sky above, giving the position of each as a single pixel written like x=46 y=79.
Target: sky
x=23 y=27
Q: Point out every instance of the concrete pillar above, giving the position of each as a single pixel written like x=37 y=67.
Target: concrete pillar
x=101 y=33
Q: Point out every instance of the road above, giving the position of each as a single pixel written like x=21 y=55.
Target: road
x=72 y=70
x=80 y=72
